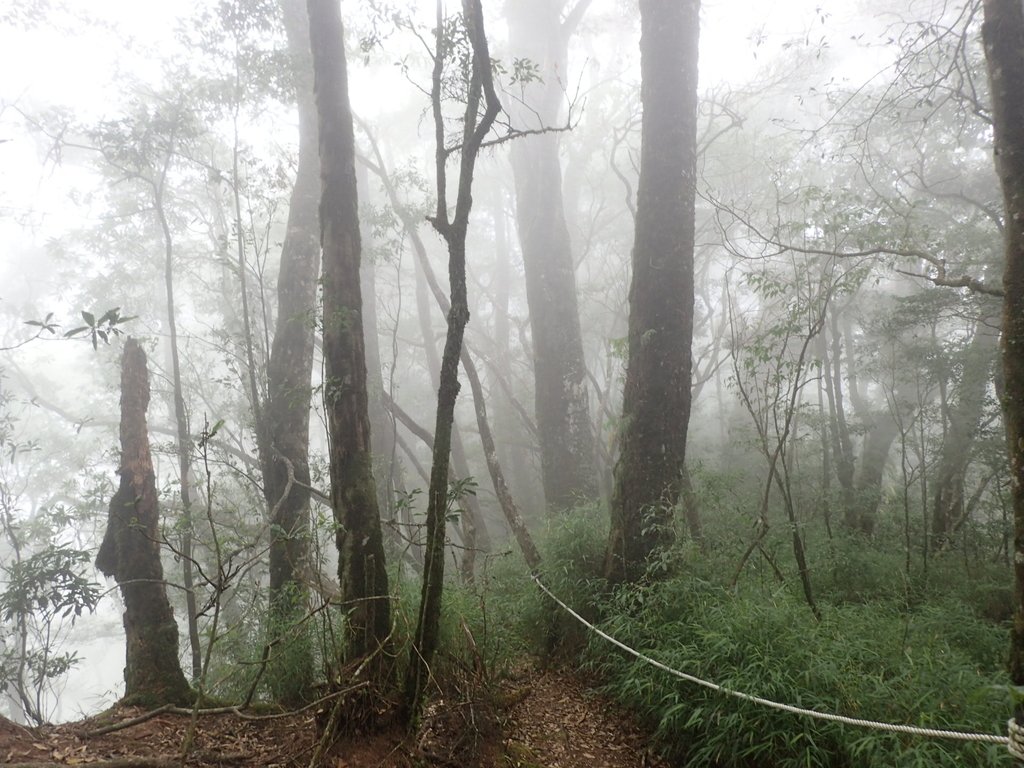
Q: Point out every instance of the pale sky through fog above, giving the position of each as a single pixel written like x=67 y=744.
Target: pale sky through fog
x=47 y=66
x=50 y=67
x=44 y=66
x=73 y=68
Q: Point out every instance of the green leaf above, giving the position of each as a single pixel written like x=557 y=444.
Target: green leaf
x=110 y=316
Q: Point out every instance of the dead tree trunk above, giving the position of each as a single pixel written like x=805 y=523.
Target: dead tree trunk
x=130 y=553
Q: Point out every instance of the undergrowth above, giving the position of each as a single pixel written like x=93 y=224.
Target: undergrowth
x=898 y=646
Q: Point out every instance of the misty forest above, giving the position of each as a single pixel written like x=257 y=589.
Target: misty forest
x=581 y=383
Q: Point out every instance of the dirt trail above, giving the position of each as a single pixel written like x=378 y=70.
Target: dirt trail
x=561 y=723
x=551 y=720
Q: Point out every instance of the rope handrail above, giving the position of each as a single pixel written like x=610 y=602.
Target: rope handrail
x=813 y=713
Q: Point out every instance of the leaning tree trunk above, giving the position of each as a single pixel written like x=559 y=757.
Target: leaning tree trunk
x=505 y=500
x=361 y=571
x=130 y=552
x=565 y=432
x=656 y=397
x=1003 y=35
x=284 y=443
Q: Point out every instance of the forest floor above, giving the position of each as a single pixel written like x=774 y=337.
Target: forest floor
x=543 y=719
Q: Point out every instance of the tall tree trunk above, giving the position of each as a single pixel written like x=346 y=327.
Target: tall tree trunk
x=382 y=426
x=842 y=445
x=182 y=434
x=1003 y=35
x=501 y=490
x=882 y=427
x=567 y=447
x=130 y=552
x=284 y=444
x=505 y=500
x=964 y=420
x=656 y=397
x=361 y=572
x=881 y=433
x=691 y=509
x=515 y=444
x=453 y=228
x=826 y=444
x=474 y=528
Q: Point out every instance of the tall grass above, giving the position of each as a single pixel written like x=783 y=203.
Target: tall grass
x=902 y=648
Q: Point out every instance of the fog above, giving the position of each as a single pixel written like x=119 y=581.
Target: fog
x=847 y=256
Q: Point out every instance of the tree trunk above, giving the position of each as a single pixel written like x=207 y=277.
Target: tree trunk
x=565 y=431
x=130 y=552
x=474 y=528
x=656 y=397
x=964 y=421
x=361 y=572
x=1003 y=35
x=501 y=490
x=284 y=447
x=382 y=426
x=842 y=445
x=882 y=432
x=691 y=510
x=516 y=444
x=505 y=500
x=453 y=229
x=182 y=432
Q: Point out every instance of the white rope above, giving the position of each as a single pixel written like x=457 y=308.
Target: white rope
x=1016 y=742
x=891 y=727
